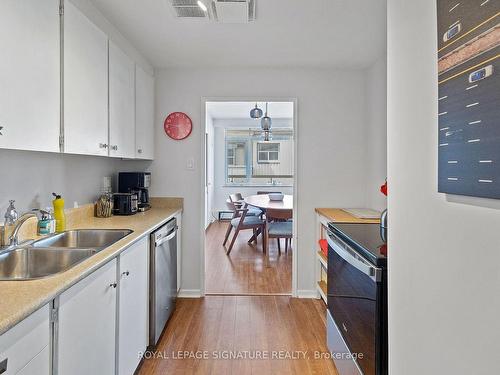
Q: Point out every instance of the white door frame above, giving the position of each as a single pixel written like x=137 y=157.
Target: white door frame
x=204 y=100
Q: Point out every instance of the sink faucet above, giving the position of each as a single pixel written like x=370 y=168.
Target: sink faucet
x=13 y=240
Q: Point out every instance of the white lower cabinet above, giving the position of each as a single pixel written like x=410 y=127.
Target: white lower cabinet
x=133 y=306
x=86 y=325
x=40 y=365
x=24 y=349
x=103 y=320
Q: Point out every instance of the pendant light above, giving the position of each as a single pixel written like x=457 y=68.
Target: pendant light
x=265 y=122
x=256 y=112
x=267 y=136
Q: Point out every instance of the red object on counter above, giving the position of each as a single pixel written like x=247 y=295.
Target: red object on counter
x=323 y=244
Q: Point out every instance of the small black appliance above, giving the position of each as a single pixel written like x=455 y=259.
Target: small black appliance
x=125 y=204
x=137 y=183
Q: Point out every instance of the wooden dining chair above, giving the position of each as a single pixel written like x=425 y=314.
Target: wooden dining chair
x=279 y=226
x=237 y=199
x=241 y=221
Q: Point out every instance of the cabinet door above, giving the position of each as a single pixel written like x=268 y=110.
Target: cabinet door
x=24 y=342
x=29 y=75
x=121 y=103
x=144 y=114
x=40 y=365
x=87 y=318
x=85 y=85
x=133 y=310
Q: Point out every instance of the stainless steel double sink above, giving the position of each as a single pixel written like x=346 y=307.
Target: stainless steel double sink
x=56 y=253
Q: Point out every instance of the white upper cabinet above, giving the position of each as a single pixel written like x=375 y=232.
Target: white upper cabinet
x=85 y=85
x=121 y=103
x=29 y=75
x=144 y=114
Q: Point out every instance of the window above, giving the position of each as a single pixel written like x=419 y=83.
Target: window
x=252 y=161
x=236 y=159
x=268 y=152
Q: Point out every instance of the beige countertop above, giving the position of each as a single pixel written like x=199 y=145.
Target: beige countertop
x=340 y=216
x=18 y=299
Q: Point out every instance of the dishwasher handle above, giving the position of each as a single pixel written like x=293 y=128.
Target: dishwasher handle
x=166 y=238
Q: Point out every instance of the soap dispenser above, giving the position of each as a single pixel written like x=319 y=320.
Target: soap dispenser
x=59 y=215
x=46 y=223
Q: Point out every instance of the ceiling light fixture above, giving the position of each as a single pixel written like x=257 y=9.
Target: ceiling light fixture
x=256 y=112
x=202 y=6
x=266 y=122
x=267 y=136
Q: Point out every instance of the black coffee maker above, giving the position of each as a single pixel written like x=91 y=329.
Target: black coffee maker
x=136 y=183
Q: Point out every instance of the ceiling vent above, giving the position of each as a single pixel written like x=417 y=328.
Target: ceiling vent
x=222 y=11
x=188 y=9
x=234 y=11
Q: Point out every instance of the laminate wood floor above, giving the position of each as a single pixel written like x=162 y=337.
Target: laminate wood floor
x=235 y=325
x=246 y=270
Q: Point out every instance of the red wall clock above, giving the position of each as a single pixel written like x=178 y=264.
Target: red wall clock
x=178 y=125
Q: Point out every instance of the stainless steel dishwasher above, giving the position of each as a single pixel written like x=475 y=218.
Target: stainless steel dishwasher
x=162 y=278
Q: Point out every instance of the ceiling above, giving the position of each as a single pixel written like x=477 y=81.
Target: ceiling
x=241 y=110
x=287 y=33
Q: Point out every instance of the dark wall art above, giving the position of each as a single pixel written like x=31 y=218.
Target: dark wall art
x=469 y=97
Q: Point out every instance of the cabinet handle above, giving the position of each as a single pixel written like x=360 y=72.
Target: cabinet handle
x=113 y=285
x=126 y=273
x=114 y=148
x=139 y=151
x=103 y=145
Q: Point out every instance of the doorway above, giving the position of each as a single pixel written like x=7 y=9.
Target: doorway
x=245 y=159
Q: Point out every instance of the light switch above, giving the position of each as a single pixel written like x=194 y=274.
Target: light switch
x=190 y=164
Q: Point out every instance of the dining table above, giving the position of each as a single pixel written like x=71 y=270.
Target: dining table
x=263 y=202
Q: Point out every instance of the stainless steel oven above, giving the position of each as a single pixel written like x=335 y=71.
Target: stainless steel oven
x=357 y=306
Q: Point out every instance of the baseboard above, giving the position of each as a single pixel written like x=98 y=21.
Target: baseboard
x=189 y=293
x=307 y=294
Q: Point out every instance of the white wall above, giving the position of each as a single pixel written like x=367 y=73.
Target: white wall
x=31 y=177
x=444 y=278
x=331 y=146
x=376 y=91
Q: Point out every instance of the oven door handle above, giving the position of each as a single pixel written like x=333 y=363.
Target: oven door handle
x=353 y=258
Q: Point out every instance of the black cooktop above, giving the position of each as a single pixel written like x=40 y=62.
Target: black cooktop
x=366 y=239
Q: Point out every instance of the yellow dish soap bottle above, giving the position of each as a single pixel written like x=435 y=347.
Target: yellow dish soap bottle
x=59 y=215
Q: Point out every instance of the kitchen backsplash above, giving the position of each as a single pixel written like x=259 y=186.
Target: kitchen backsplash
x=31 y=177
